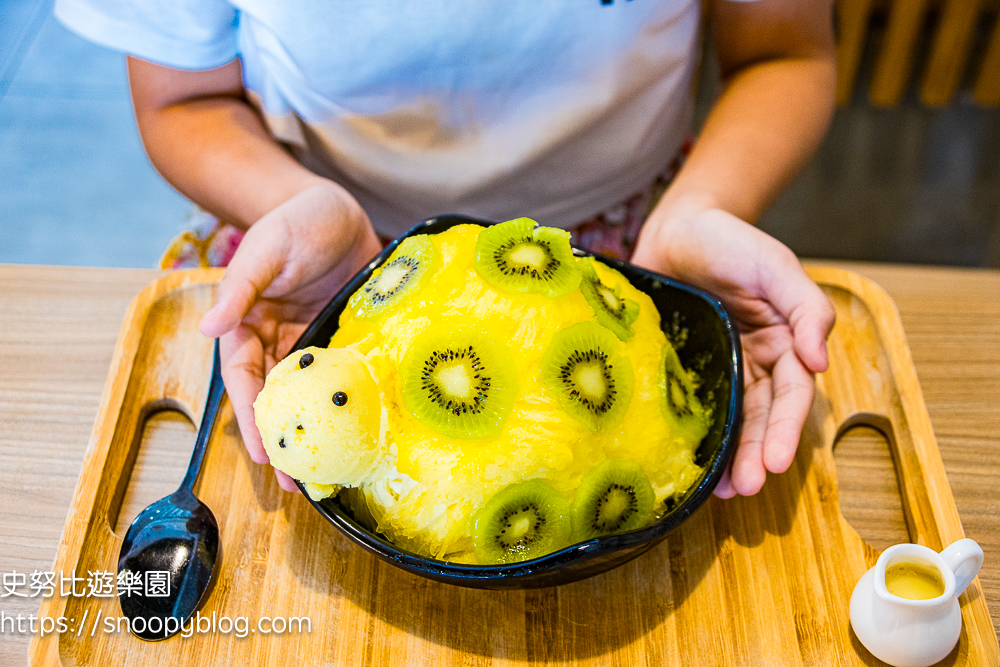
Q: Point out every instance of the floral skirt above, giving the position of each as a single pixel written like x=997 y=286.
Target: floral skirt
x=612 y=232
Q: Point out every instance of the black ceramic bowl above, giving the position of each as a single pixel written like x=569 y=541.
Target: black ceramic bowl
x=712 y=342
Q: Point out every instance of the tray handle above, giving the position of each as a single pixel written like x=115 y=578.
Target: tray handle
x=884 y=393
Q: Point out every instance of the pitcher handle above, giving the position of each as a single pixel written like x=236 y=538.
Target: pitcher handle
x=964 y=558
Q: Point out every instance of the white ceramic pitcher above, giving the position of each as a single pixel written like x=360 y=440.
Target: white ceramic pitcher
x=914 y=633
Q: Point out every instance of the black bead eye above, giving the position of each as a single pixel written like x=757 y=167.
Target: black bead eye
x=340 y=399
x=281 y=443
x=300 y=427
x=306 y=359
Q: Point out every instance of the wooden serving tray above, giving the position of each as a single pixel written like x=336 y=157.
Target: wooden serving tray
x=764 y=580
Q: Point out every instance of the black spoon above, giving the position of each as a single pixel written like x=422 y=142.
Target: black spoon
x=172 y=547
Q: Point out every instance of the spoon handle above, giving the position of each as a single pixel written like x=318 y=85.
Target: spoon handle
x=216 y=389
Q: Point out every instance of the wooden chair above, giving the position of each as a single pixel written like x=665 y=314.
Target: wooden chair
x=951 y=44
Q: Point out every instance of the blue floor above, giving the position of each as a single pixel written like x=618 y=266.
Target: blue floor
x=906 y=184
x=75 y=185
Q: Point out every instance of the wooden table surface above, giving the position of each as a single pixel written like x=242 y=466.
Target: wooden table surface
x=58 y=327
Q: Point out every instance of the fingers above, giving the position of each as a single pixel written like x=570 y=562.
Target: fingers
x=284 y=481
x=804 y=305
x=243 y=372
x=793 y=394
x=775 y=408
x=257 y=262
x=648 y=247
x=748 y=473
x=646 y=256
x=811 y=325
x=724 y=489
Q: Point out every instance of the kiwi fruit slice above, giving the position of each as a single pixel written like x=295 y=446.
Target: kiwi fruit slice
x=678 y=399
x=593 y=382
x=396 y=280
x=614 y=497
x=523 y=521
x=515 y=257
x=610 y=309
x=459 y=382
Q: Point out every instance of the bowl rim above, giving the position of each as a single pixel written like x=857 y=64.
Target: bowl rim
x=578 y=553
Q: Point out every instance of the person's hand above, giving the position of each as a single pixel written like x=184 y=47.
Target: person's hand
x=782 y=315
x=288 y=266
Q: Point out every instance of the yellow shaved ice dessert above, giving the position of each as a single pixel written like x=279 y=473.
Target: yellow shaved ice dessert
x=483 y=359
x=318 y=404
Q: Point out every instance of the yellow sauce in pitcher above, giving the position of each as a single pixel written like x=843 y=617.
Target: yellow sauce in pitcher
x=913 y=581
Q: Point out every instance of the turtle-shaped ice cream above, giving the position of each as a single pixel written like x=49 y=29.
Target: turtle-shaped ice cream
x=490 y=397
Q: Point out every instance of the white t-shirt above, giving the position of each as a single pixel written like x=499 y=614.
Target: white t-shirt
x=552 y=110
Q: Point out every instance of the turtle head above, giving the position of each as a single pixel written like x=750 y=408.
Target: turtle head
x=320 y=416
